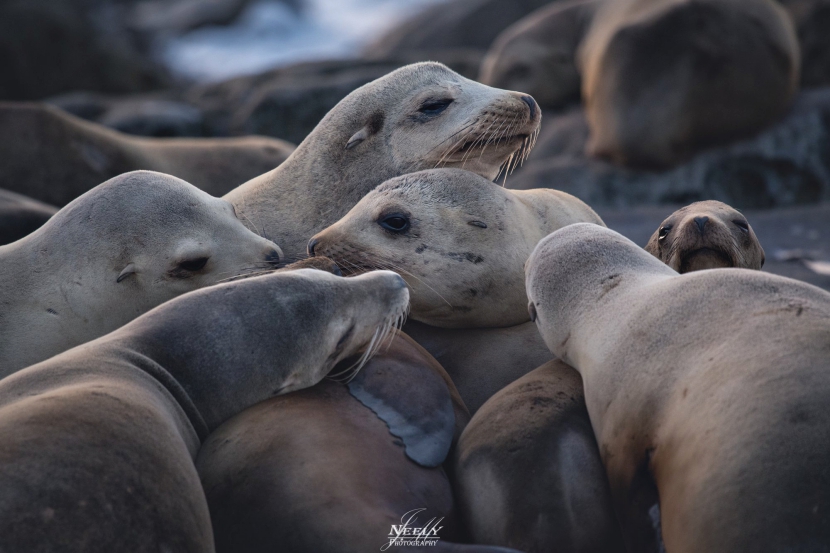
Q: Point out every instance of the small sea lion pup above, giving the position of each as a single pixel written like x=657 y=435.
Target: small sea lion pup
x=528 y=473
x=116 y=252
x=55 y=157
x=418 y=117
x=708 y=390
x=663 y=79
x=335 y=467
x=458 y=240
x=538 y=54
x=99 y=441
x=706 y=235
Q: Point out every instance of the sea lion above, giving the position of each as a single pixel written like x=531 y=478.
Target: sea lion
x=333 y=467
x=482 y=361
x=706 y=235
x=458 y=240
x=119 y=250
x=662 y=80
x=99 y=441
x=20 y=216
x=537 y=54
x=707 y=390
x=418 y=117
x=55 y=157
x=528 y=473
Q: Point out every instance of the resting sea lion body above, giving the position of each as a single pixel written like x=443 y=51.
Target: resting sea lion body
x=418 y=117
x=528 y=473
x=482 y=361
x=116 y=252
x=20 y=216
x=537 y=54
x=459 y=241
x=55 y=157
x=99 y=441
x=706 y=235
x=707 y=390
x=664 y=79
x=319 y=470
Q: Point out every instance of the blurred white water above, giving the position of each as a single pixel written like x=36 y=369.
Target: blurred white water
x=270 y=34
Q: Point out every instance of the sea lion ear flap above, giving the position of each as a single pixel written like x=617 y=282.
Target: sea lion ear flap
x=128 y=270
x=358 y=137
x=373 y=126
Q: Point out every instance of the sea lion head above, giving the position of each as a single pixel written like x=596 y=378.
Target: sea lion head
x=575 y=267
x=141 y=239
x=241 y=342
x=458 y=240
x=424 y=116
x=706 y=235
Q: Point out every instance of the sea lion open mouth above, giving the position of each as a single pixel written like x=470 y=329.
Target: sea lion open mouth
x=705 y=258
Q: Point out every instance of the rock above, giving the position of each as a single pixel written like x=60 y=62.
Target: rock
x=55 y=157
x=787 y=164
x=537 y=54
x=50 y=47
x=138 y=115
x=289 y=102
x=454 y=24
x=812 y=21
x=20 y=216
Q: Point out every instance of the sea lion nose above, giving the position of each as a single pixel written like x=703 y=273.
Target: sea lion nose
x=701 y=223
x=311 y=243
x=531 y=104
x=272 y=257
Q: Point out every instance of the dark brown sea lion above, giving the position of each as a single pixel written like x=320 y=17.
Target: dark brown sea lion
x=706 y=235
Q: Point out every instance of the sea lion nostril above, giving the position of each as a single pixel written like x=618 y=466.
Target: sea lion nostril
x=701 y=223
x=272 y=257
x=311 y=244
x=531 y=104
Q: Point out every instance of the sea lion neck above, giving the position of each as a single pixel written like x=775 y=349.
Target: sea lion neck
x=305 y=184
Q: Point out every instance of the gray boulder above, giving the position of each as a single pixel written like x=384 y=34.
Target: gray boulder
x=785 y=165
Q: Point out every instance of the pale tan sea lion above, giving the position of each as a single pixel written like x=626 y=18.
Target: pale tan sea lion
x=418 y=117
x=528 y=473
x=706 y=390
x=99 y=442
x=538 y=53
x=459 y=241
x=55 y=157
x=116 y=252
x=706 y=235
x=662 y=79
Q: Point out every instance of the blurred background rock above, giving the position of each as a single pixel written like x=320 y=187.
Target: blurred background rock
x=222 y=68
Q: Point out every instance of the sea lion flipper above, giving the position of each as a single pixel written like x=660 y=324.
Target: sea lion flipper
x=415 y=404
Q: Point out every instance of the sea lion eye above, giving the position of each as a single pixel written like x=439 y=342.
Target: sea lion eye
x=395 y=222
x=184 y=268
x=743 y=225
x=434 y=107
x=664 y=231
